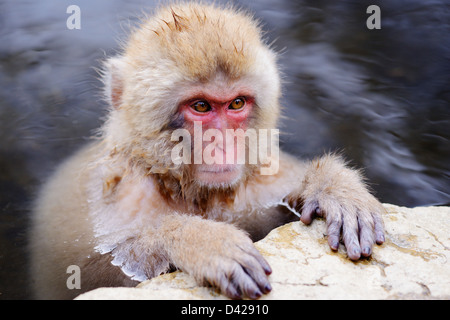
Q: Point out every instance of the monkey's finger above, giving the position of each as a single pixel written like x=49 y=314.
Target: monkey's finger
x=262 y=262
x=257 y=268
x=379 y=228
x=260 y=279
x=254 y=269
x=251 y=249
x=366 y=236
x=334 y=223
x=230 y=280
x=223 y=280
x=309 y=211
x=246 y=283
x=350 y=235
x=231 y=290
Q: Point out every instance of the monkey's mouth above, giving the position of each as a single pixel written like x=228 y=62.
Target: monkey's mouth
x=219 y=174
x=214 y=168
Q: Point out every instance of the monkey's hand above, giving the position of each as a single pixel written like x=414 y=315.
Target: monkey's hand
x=219 y=255
x=338 y=193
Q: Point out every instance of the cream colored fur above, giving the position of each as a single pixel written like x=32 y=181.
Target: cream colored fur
x=121 y=211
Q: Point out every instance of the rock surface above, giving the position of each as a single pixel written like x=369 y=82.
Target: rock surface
x=411 y=264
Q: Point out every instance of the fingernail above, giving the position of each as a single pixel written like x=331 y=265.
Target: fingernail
x=380 y=239
x=336 y=245
x=355 y=254
x=268 y=270
x=257 y=294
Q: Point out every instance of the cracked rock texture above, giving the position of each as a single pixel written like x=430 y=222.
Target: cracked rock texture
x=413 y=263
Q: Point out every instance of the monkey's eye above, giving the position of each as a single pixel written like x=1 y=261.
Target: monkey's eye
x=201 y=106
x=237 y=104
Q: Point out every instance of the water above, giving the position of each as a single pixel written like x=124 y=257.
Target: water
x=382 y=97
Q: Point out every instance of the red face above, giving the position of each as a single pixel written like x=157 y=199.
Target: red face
x=219 y=111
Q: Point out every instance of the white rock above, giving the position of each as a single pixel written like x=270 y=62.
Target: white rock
x=411 y=264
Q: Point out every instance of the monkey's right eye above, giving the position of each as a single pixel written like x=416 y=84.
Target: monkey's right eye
x=201 y=106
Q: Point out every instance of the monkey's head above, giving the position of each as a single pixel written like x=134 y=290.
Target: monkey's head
x=190 y=65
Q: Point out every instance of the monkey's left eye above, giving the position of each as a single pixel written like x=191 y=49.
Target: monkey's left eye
x=201 y=106
x=237 y=104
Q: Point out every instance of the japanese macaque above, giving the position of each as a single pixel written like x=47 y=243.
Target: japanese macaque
x=124 y=209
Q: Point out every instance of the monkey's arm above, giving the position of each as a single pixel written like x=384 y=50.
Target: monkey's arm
x=214 y=253
x=326 y=187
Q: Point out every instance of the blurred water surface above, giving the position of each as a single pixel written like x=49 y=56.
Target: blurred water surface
x=382 y=97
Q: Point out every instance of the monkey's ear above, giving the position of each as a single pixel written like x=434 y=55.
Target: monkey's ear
x=113 y=81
